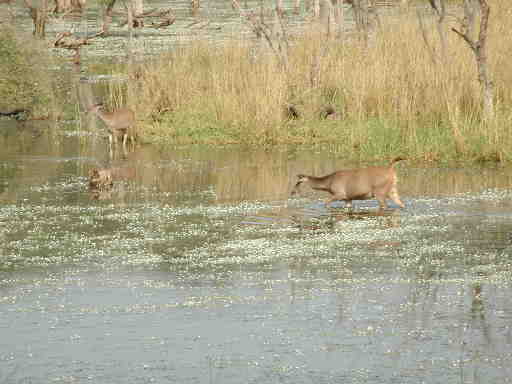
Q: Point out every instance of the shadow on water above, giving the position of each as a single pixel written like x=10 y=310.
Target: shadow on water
x=195 y=265
x=318 y=217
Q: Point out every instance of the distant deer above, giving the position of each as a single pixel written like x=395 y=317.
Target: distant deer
x=119 y=122
x=103 y=178
x=357 y=184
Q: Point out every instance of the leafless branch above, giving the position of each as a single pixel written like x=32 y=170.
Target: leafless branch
x=429 y=47
x=278 y=45
x=479 y=48
x=439 y=7
x=466 y=38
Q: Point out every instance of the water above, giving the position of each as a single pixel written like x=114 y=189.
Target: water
x=216 y=21
x=201 y=269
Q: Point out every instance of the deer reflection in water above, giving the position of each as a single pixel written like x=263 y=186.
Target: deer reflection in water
x=101 y=180
x=309 y=220
x=478 y=311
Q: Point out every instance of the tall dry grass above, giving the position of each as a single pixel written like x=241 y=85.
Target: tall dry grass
x=391 y=94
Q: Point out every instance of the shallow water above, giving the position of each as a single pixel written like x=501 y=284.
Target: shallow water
x=216 y=21
x=201 y=269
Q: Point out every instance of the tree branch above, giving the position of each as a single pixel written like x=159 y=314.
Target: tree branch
x=465 y=37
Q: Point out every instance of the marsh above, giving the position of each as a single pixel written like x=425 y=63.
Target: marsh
x=197 y=270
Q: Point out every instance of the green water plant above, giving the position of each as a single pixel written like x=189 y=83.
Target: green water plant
x=25 y=82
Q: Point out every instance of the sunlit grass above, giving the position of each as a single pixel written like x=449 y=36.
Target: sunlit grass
x=390 y=96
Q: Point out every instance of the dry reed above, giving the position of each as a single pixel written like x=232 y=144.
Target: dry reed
x=391 y=95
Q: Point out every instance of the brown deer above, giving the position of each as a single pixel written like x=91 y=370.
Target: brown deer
x=357 y=184
x=118 y=122
x=103 y=178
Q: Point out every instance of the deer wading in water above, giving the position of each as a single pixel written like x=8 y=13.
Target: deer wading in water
x=357 y=184
x=120 y=123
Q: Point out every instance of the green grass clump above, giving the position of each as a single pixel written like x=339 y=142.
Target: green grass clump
x=24 y=78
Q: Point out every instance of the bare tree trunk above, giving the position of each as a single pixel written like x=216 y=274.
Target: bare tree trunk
x=62 y=6
x=341 y=24
x=107 y=17
x=330 y=17
x=129 y=50
x=441 y=13
x=360 y=8
x=275 y=35
x=39 y=16
x=279 y=7
x=69 y=5
x=137 y=12
x=316 y=9
x=315 y=68
x=440 y=10
x=337 y=6
x=469 y=19
x=40 y=20
x=296 y=7
x=479 y=48
x=194 y=6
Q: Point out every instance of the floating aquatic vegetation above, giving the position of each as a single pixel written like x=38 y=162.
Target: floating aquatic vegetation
x=75 y=133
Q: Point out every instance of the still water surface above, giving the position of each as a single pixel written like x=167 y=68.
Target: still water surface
x=201 y=269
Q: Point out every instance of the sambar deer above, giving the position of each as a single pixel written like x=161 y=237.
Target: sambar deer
x=119 y=123
x=357 y=184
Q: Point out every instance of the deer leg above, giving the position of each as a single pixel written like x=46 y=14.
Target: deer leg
x=348 y=203
x=393 y=195
x=330 y=200
x=381 y=198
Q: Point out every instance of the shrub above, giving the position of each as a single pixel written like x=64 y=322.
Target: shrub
x=24 y=78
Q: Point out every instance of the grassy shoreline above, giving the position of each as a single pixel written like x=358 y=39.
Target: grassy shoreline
x=389 y=96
